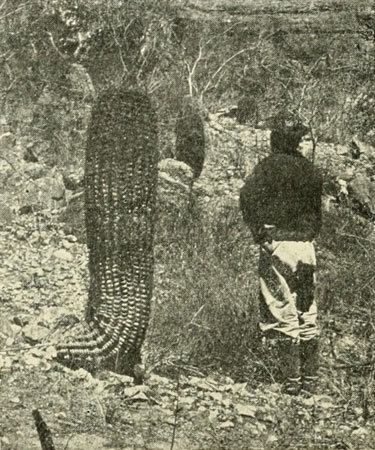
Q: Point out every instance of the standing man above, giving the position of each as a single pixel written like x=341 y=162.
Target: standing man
x=281 y=203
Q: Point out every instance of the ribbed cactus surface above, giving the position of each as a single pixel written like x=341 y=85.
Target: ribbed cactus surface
x=120 y=194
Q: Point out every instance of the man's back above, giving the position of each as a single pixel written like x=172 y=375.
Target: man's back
x=284 y=191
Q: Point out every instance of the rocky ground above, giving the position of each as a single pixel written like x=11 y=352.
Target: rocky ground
x=44 y=275
x=44 y=282
x=43 y=292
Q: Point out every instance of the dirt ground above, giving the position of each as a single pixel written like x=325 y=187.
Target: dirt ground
x=43 y=291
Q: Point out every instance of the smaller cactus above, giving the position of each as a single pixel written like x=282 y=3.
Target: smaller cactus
x=190 y=138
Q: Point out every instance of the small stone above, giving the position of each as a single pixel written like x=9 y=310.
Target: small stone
x=261 y=427
x=201 y=383
x=139 y=397
x=134 y=390
x=71 y=238
x=20 y=321
x=170 y=421
x=360 y=432
x=226 y=425
x=64 y=255
x=213 y=415
x=269 y=418
x=227 y=403
x=156 y=379
x=227 y=412
x=186 y=401
x=66 y=244
x=34 y=333
x=20 y=235
x=308 y=401
x=216 y=396
x=348 y=174
x=239 y=388
x=38 y=272
x=50 y=352
x=272 y=438
x=4 y=440
x=31 y=360
x=324 y=401
x=245 y=410
x=252 y=429
x=342 y=150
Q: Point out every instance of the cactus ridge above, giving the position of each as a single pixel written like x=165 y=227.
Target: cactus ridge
x=120 y=196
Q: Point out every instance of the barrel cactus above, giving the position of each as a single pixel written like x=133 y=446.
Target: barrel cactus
x=120 y=195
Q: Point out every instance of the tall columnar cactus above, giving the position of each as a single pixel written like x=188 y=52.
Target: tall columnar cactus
x=120 y=194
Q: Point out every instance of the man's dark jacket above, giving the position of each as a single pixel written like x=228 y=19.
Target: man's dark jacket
x=285 y=191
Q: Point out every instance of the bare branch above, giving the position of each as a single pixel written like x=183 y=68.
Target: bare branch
x=119 y=47
x=55 y=46
x=9 y=162
x=221 y=67
x=193 y=69
x=15 y=11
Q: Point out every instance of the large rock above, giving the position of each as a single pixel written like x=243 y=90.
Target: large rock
x=361 y=148
x=175 y=181
x=43 y=193
x=362 y=194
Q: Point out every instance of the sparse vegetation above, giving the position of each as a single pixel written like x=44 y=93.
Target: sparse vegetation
x=202 y=343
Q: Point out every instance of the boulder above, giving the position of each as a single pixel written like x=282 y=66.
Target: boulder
x=362 y=194
x=342 y=150
x=175 y=180
x=43 y=193
x=361 y=148
x=34 y=333
x=177 y=170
